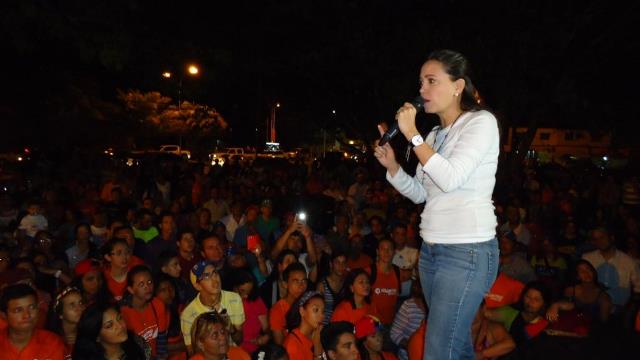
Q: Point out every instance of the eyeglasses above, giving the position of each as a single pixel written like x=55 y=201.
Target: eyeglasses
x=208 y=275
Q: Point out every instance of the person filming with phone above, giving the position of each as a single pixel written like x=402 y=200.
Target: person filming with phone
x=299 y=238
x=455 y=178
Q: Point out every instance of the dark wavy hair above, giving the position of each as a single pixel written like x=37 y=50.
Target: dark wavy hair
x=350 y=280
x=457 y=66
x=294 y=319
x=87 y=346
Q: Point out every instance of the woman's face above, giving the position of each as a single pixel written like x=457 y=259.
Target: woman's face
x=585 y=274
x=361 y=285
x=313 y=312
x=72 y=307
x=114 y=329
x=244 y=290
x=374 y=342
x=437 y=89
x=216 y=342
x=120 y=256
x=91 y=282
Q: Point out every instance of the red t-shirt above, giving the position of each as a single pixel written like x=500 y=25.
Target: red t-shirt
x=117 y=289
x=415 y=346
x=147 y=323
x=234 y=353
x=345 y=312
x=384 y=294
x=298 y=346
x=278 y=316
x=43 y=345
x=252 y=326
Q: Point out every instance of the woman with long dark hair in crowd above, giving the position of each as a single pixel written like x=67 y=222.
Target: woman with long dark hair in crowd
x=332 y=287
x=64 y=316
x=357 y=303
x=304 y=321
x=90 y=281
x=102 y=334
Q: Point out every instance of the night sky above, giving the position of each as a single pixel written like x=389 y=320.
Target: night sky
x=547 y=63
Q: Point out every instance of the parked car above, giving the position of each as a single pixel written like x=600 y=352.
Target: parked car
x=175 y=149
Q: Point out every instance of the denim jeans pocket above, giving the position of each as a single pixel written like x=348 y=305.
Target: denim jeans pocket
x=462 y=256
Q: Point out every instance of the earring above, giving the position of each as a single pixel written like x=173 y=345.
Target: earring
x=456 y=94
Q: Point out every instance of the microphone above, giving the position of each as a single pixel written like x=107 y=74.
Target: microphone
x=417 y=103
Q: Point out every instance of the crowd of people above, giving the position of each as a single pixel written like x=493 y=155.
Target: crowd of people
x=182 y=260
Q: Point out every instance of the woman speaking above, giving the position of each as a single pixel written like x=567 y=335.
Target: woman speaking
x=455 y=177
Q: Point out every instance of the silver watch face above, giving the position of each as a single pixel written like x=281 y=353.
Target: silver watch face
x=417 y=140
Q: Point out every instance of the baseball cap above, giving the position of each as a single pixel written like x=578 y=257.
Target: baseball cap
x=85 y=266
x=367 y=325
x=198 y=270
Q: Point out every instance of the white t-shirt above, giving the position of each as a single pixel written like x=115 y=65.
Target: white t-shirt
x=457 y=182
x=620 y=274
x=31 y=224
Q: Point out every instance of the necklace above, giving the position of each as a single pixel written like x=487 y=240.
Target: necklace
x=435 y=138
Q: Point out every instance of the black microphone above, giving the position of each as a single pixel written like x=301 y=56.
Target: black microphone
x=417 y=103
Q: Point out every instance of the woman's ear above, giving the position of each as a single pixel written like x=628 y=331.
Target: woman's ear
x=459 y=85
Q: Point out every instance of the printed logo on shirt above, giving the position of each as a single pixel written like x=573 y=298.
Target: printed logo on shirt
x=389 y=292
x=149 y=333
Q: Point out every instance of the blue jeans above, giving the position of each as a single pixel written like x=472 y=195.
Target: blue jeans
x=454 y=280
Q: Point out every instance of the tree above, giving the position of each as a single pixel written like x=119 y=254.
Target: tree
x=156 y=115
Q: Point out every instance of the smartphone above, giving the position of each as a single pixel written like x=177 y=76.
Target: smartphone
x=253 y=242
x=301 y=217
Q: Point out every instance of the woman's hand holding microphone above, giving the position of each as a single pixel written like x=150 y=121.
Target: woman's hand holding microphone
x=406 y=117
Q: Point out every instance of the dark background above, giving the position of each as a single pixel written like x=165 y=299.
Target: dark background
x=536 y=63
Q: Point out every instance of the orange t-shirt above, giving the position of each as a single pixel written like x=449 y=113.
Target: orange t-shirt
x=384 y=294
x=234 y=353
x=363 y=262
x=43 y=345
x=148 y=323
x=345 y=312
x=118 y=289
x=415 y=346
x=278 y=316
x=298 y=346
x=505 y=291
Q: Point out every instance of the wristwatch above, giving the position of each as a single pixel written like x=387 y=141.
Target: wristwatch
x=417 y=140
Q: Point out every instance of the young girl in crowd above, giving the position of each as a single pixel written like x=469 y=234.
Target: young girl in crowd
x=144 y=314
x=255 y=330
x=102 y=334
x=89 y=280
x=304 y=321
x=118 y=261
x=64 y=317
x=370 y=338
x=357 y=303
x=165 y=291
x=210 y=339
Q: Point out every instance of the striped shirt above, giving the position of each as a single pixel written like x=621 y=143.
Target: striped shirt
x=405 y=323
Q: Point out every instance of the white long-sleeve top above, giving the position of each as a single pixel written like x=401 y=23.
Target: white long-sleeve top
x=457 y=181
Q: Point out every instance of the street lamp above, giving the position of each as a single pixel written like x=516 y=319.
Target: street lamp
x=192 y=70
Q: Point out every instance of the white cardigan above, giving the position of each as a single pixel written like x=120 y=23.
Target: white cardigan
x=457 y=182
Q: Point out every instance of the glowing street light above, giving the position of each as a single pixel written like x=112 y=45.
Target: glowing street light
x=191 y=70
